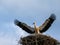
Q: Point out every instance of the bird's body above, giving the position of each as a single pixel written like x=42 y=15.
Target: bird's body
x=37 y=30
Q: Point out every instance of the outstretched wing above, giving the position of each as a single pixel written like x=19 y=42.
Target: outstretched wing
x=24 y=26
x=45 y=26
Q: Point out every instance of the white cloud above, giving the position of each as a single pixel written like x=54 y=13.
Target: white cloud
x=8 y=37
x=7 y=40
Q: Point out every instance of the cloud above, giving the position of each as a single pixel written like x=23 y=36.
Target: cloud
x=7 y=40
x=11 y=34
x=6 y=35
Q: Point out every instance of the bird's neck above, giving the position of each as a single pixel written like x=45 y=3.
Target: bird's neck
x=36 y=29
x=35 y=26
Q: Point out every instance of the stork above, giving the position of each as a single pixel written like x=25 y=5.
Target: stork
x=43 y=28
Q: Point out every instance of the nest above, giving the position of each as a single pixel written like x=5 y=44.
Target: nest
x=38 y=40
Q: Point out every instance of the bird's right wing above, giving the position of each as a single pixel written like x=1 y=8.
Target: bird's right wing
x=24 y=26
x=45 y=26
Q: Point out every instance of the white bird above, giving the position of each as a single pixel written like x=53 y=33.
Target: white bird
x=44 y=27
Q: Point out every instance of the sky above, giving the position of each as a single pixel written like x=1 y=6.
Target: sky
x=26 y=11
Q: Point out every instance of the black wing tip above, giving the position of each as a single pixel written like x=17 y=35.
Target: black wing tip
x=53 y=16
x=16 y=22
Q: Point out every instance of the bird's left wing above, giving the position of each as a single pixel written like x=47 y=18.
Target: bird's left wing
x=45 y=26
x=24 y=26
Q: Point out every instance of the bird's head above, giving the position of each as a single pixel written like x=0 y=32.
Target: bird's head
x=34 y=22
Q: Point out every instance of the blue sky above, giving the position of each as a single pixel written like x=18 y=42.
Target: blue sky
x=26 y=11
